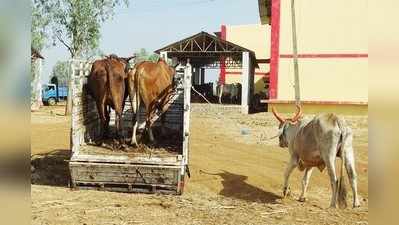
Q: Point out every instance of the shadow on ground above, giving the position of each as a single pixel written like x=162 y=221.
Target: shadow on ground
x=51 y=168
x=235 y=186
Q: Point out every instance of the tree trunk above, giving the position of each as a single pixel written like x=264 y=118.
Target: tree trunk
x=36 y=87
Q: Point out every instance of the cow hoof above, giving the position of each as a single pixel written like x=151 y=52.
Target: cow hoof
x=302 y=199
x=286 y=192
x=356 y=205
x=124 y=147
x=134 y=144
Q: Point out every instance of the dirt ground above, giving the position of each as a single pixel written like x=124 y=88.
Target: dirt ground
x=236 y=178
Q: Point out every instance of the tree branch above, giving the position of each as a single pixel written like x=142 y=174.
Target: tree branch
x=101 y=8
x=66 y=45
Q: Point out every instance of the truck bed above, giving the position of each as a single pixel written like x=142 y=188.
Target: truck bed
x=148 y=168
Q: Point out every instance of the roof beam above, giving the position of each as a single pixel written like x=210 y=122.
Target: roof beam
x=210 y=44
x=196 y=43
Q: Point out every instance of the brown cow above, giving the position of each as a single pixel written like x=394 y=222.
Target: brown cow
x=153 y=84
x=106 y=84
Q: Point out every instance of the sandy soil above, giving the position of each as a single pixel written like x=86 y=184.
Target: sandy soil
x=236 y=178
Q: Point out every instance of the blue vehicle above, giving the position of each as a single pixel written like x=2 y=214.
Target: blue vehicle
x=51 y=94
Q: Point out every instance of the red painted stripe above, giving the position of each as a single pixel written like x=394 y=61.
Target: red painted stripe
x=239 y=73
x=289 y=56
x=275 y=48
x=222 y=76
x=315 y=102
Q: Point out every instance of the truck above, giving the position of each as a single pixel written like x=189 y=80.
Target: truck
x=52 y=94
x=149 y=169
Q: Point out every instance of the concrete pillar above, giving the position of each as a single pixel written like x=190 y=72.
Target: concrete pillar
x=202 y=76
x=164 y=55
x=245 y=94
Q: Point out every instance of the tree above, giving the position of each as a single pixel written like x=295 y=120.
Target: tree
x=39 y=35
x=61 y=72
x=153 y=57
x=143 y=55
x=76 y=25
x=40 y=25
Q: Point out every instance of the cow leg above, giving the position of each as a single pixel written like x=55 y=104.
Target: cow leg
x=136 y=109
x=290 y=167
x=305 y=182
x=118 y=123
x=107 y=119
x=150 y=134
x=163 y=119
x=149 y=115
x=330 y=164
x=350 y=169
x=220 y=94
x=103 y=120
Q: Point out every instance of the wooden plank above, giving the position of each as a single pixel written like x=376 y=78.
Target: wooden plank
x=186 y=116
x=126 y=189
x=170 y=160
x=122 y=173
x=126 y=178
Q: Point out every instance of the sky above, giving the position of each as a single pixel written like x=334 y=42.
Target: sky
x=153 y=24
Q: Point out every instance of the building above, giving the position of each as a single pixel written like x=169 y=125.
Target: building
x=332 y=55
x=255 y=37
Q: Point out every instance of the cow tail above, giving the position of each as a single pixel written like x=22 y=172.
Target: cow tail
x=342 y=192
x=136 y=85
x=132 y=88
x=109 y=77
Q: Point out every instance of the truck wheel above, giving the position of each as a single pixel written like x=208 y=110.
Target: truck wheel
x=51 y=101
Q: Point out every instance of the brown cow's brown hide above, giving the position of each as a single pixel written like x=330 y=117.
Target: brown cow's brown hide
x=107 y=85
x=152 y=80
x=153 y=84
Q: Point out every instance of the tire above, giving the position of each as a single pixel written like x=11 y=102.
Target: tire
x=52 y=101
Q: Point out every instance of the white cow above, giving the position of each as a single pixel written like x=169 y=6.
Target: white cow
x=317 y=143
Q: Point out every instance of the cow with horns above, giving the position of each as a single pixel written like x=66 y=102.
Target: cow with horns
x=317 y=143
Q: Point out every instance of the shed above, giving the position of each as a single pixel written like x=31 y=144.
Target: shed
x=205 y=50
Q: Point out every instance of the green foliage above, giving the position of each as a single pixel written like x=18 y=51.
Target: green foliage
x=143 y=55
x=40 y=25
x=61 y=71
x=76 y=23
x=153 y=57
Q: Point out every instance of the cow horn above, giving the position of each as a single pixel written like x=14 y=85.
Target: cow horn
x=278 y=117
x=280 y=132
x=298 y=113
x=129 y=58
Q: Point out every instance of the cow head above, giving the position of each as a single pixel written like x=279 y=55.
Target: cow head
x=287 y=126
x=123 y=60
